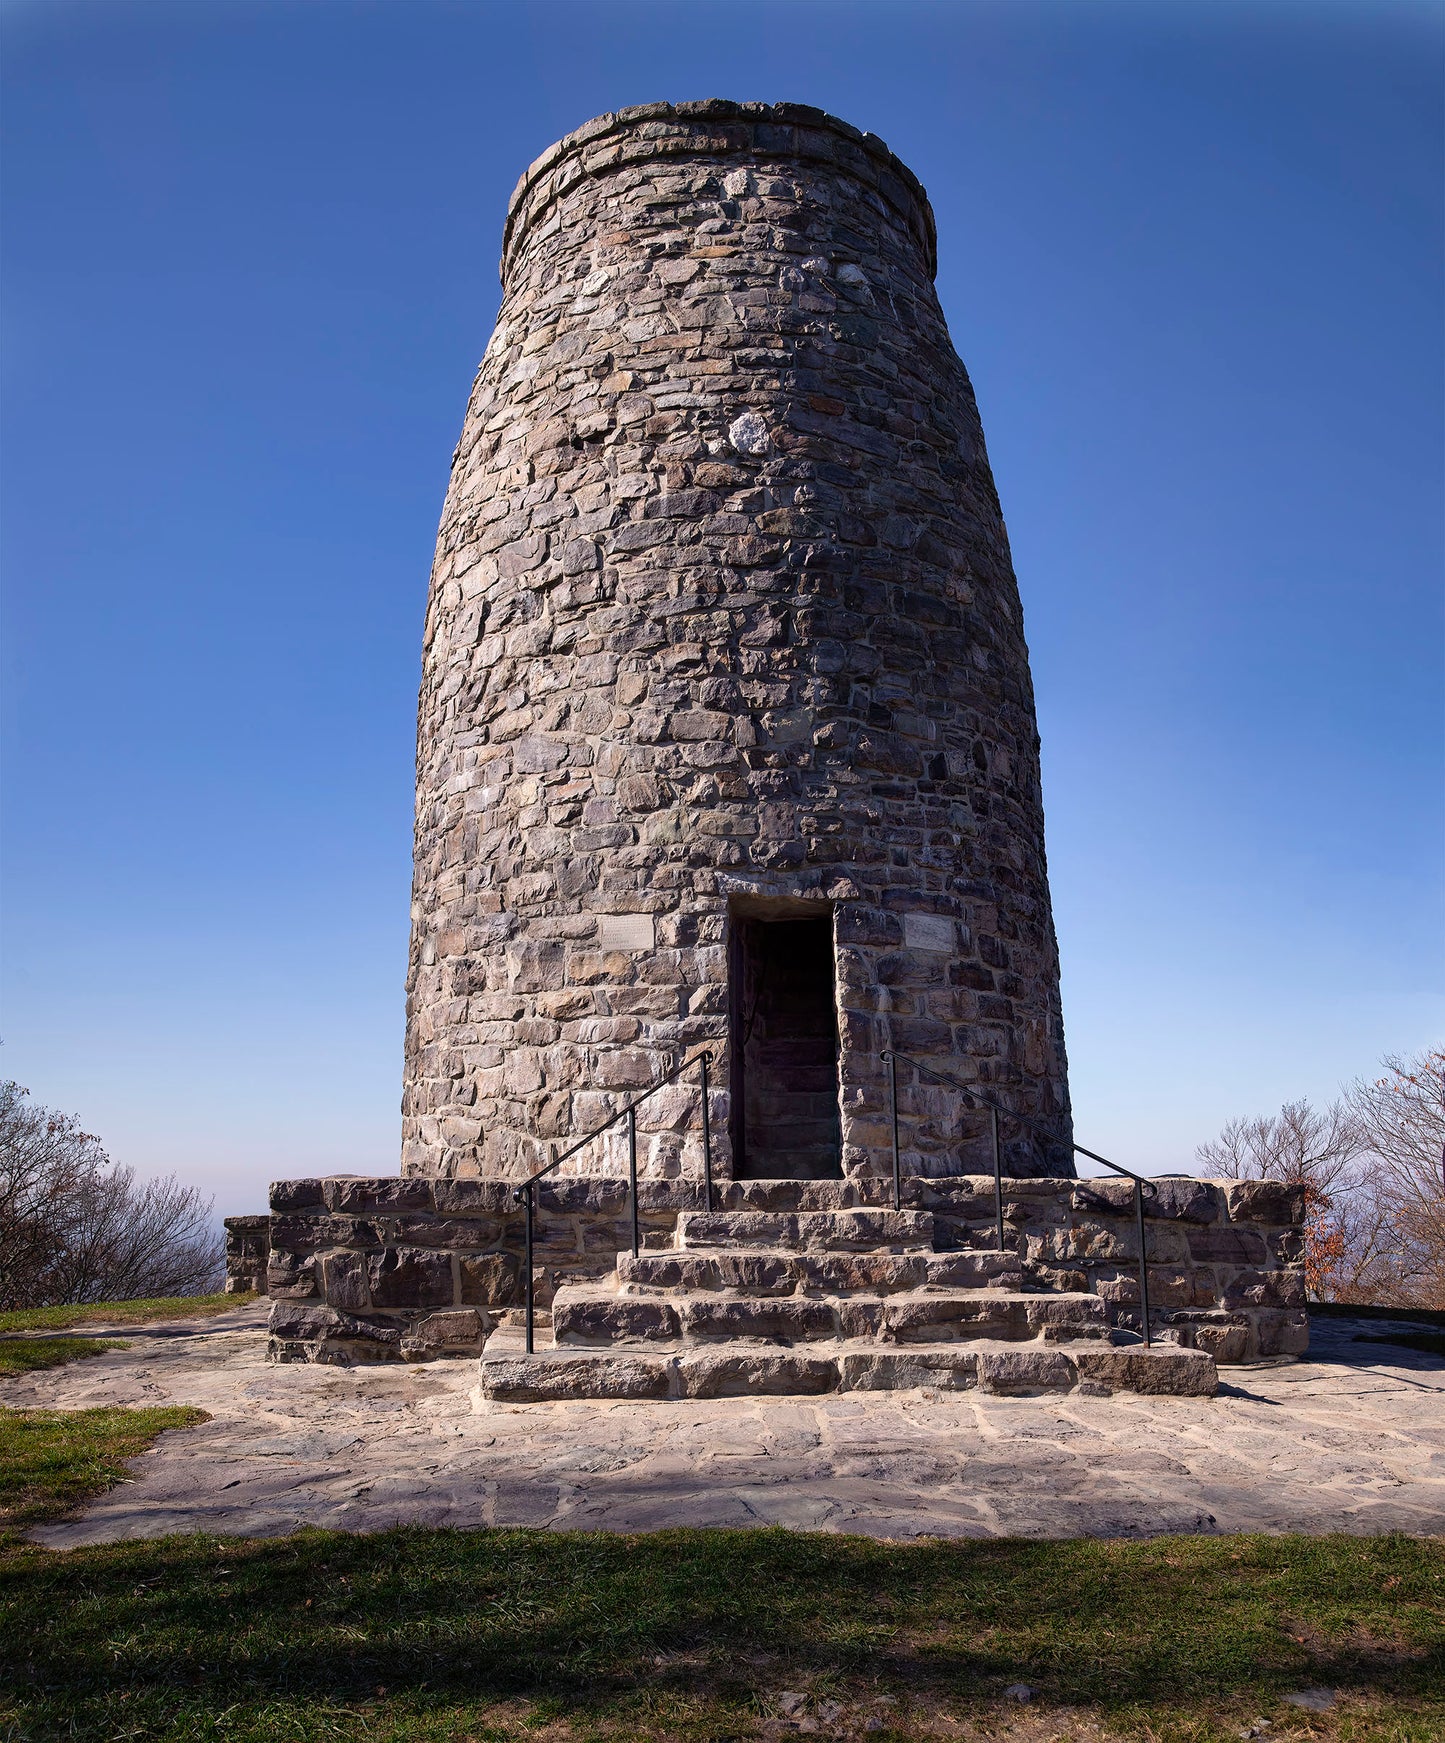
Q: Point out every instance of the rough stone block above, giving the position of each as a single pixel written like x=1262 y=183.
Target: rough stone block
x=490 y=1280
x=345 y=1281
x=1265 y=1289
x=860 y=1316
x=456 y=1332
x=1109 y=1195
x=1282 y=1334
x=1222 y=1336
x=899 y=1370
x=447 y=1232
x=543 y=1378
x=313 y=1325
x=291 y=1276
x=1286 y=1246
x=1170 y=1371
x=599 y=1197
x=668 y=1271
x=942 y=1318
x=1031 y=1369
x=666 y=1198
x=1170 y=1286
x=1094 y=1243
x=866 y=1230
x=305 y=1234
x=612 y=1319
x=1228 y=1244
x=842 y=1273
x=757 y=1273
x=1264 y=1201
x=410 y=1277
x=739 y=1374
x=356 y=1193
x=1065 y=1282
x=1065 y=1311
x=1184 y=1200
x=966 y=1199
x=480 y=1198
x=1192 y=1201
x=789 y=1319
x=794 y=1195
x=290 y=1195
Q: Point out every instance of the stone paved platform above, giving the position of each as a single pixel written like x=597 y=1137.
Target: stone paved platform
x=1352 y=1439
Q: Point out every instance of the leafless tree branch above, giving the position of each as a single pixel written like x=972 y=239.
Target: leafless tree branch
x=76 y=1227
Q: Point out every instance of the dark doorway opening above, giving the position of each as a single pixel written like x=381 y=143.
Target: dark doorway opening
x=784 y=1050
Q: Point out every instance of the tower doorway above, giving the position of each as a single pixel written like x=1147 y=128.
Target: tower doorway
x=784 y=1022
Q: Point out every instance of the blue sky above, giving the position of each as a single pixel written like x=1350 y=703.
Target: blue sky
x=1192 y=260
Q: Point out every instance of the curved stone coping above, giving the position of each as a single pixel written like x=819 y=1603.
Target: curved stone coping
x=775 y=130
x=1171 y=1197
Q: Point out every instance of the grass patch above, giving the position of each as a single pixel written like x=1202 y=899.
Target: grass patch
x=1431 y=1342
x=25 y=1355
x=117 y=1312
x=52 y=1461
x=415 y=1636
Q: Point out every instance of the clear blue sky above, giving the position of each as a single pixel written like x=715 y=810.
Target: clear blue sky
x=1192 y=260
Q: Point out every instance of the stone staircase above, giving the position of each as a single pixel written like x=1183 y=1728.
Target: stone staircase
x=809 y=1301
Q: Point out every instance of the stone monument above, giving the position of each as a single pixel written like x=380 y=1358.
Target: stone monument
x=726 y=749
x=726 y=729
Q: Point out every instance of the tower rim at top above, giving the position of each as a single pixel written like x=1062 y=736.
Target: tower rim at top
x=812 y=130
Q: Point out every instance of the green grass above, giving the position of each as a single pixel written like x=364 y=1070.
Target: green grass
x=25 y=1355
x=117 y=1312
x=414 y=1636
x=52 y=1461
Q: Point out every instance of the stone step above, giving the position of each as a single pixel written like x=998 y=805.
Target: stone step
x=740 y=1370
x=813 y=1194
x=596 y=1317
x=761 y=1271
x=818 y=1231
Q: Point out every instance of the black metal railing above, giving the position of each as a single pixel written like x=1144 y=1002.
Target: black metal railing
x=526 y=1192
x=995 y=1110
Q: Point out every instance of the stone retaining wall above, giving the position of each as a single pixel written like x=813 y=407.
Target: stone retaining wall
x=365 y=1269
x=1226 y=1257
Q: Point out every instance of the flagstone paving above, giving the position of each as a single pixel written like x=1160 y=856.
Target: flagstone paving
x=1352 y=1439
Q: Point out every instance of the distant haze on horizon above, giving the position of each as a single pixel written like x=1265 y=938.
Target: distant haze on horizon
x=1192 y=261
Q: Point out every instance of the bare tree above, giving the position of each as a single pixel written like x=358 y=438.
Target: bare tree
x=1402 y=1118
x=1307 y=1147
x=1371 y=1168
x=76 y=1227
x=46 y=1161
x=1321 y=1150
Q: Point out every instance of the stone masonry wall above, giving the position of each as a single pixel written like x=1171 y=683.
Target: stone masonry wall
x=248 y=1251
x=387 y=1269
x=722 y=622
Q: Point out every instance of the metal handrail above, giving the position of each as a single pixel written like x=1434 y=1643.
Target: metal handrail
x=525 y=1193
x=890 y=1057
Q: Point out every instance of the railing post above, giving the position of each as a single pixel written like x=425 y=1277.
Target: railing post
x=997 y=1175
x=1143 y=1259
x=893 y=1111
x=632 y=1169
x=706 y=1143
x=531 y=1301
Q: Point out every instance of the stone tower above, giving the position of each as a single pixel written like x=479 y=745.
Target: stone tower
x=726 y=731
